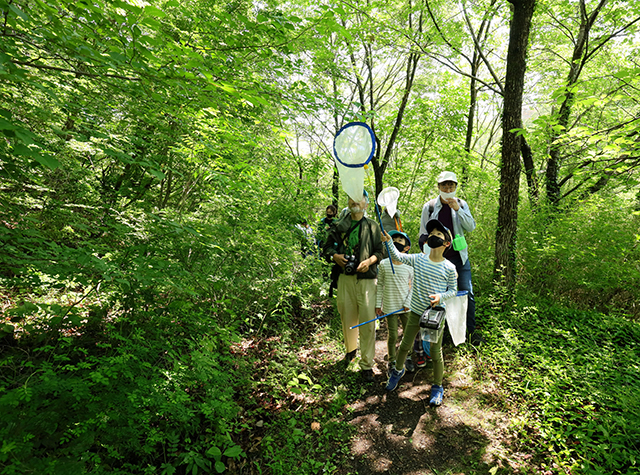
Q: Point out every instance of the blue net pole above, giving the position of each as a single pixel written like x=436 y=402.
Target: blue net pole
x=375 y=202
x=377 y=318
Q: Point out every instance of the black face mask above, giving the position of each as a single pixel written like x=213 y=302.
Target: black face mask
x=399 y=246
x=434 y=242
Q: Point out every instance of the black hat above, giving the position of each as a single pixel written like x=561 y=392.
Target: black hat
x=435 y=224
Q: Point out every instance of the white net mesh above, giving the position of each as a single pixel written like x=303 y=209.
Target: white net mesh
x=353 y=146
x=389 y=198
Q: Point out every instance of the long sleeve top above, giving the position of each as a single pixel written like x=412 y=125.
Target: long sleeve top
x=370 y=243
x=462 y=220
x=394 y=290
x=429 y=278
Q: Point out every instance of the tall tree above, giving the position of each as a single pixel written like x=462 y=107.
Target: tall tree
x=618 y=22
x=506 y=231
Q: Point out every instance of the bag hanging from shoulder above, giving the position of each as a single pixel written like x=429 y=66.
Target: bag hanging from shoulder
x=432 y=318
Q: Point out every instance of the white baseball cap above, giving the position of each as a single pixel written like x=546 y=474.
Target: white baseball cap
x=447 y=176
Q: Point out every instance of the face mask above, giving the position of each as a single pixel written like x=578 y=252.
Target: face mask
x=434 y=242
x=446 y=196
x=399 y=246
x=355 y=209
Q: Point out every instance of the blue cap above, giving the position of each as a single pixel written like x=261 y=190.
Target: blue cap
x=394 y=233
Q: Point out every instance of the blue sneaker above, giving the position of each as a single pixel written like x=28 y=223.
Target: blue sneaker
x=437 y=393
x=394 y=379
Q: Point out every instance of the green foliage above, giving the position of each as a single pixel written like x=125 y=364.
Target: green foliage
x=151 y=389
x=573 y=377
x=587 y=254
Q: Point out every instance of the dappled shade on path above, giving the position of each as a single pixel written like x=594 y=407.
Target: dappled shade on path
x=398 y=433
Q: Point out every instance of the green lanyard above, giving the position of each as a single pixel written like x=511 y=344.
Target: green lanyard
x=352 y=237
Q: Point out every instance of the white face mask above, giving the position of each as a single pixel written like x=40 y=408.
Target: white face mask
x=446 y=196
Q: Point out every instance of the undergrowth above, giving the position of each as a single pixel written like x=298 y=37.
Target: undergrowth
x=171 y=391
x=573 y=378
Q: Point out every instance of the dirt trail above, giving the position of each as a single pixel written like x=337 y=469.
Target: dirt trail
x=398 y=433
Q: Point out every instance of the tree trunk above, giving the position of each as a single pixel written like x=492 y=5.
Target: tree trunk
x=506 y=232
x=530 y=173
x=577 y=62
x=473 y=100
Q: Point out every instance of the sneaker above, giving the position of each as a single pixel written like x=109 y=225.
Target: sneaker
x=475 y=338
x=394 y=379
x=390 y=367
x=421 y=360
x=367 y=375
x=350 y=356
x=437 y=393
x=408 y=364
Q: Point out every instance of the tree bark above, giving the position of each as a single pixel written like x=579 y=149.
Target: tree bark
x=578 y=60
x=530 y=173
x=506 y=231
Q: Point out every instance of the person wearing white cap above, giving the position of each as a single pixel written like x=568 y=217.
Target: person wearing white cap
x=455 y=214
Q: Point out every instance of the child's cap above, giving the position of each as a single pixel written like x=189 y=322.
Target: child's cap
x=395 y=233
x=435 y=224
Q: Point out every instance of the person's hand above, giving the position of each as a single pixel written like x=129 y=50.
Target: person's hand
x=406 y=309
x=363 y=266
x=453 y=204
x=340 y=260
x=385 y=237
x=435 y=299
x=378 y=311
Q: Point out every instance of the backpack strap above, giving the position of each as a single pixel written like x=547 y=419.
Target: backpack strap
x=432 y=204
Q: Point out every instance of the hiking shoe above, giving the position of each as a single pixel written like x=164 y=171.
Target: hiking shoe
x=409 y=366
x=475 y=338
x=367 y=375
x=421 y=360
x=394 y=379
x=437 y=393
x=390 y=367
x=348 y=358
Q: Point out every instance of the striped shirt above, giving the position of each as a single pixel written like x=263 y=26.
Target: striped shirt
x=430 y=278
x=394 y=290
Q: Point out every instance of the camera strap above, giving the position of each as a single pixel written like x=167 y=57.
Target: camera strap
x=345 y=237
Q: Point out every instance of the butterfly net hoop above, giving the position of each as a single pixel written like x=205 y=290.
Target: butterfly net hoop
x=389 y=198
x=353 y=147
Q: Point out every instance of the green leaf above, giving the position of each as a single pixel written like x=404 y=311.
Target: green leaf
x=158 y=174
x=6 y=329
x=214 y=452
x=18 y=12
x=154 y=11
x=220 y=467
x=233 y=452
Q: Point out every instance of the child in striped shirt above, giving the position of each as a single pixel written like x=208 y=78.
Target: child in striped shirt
x=394 y=293
x=436 y=280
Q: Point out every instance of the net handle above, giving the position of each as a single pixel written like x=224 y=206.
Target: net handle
x=386 y=242
x=373 y=143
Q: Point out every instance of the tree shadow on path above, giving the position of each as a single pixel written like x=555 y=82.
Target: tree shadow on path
x=399 y=433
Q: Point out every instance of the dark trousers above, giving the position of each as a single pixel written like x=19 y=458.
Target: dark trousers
x=464 y=283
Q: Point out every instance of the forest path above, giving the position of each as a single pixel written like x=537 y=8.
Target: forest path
x=399 y=433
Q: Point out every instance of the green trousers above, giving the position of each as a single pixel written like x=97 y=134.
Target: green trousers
x=392 y=338
x=410 y=331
